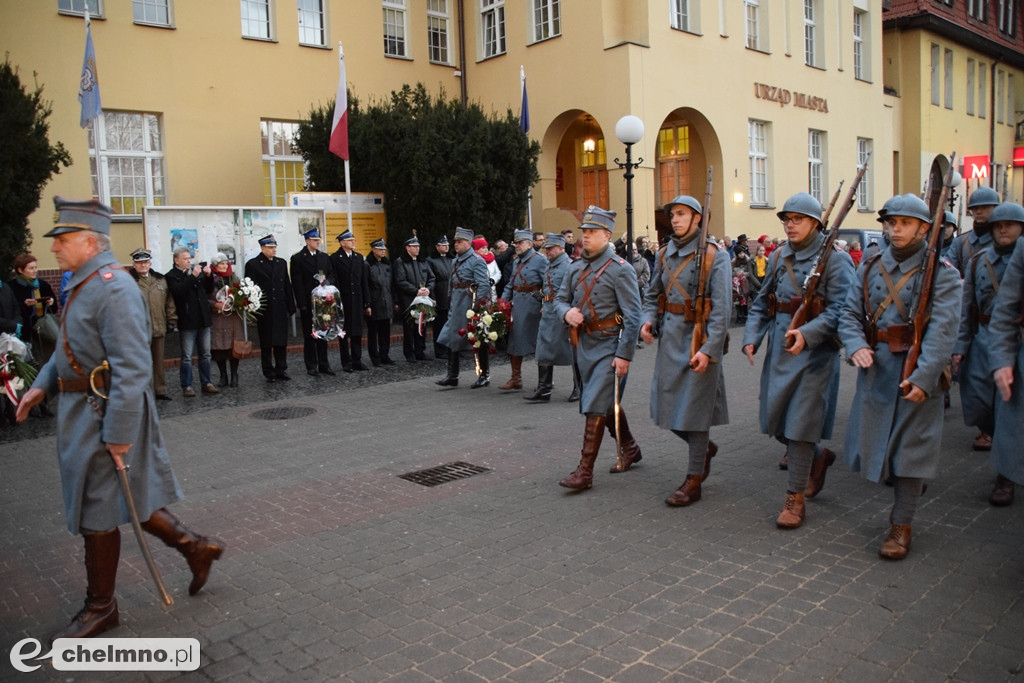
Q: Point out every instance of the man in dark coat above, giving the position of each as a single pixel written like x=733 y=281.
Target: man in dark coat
x=413 y=278
x=306 y=264
x=441 y=267
x=351 y=279
x=191 y=287
x=381 y=305
x=271 y=275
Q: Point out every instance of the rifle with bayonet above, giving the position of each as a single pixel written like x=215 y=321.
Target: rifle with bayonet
x=701 y=305
x=810 y=288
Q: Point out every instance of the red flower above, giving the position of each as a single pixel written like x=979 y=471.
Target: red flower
x=462 y=332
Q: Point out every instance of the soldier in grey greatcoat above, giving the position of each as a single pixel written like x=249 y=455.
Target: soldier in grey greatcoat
x=469 y=281
x=105 y=319
x=799 y=384
x=889 y=435
x=553 y=346
x=688 y=391
x=162 y=313
x=270 y=273
x=600 y=301
x=1006 y=358
x=980 y=204
x=523 y=292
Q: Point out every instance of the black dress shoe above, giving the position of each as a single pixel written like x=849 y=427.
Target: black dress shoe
x=312 y=373
x=359 y=366
x=282 y=376
x=327 y=372
x=410 y=359
x=163 y=397
x=270 y=380
x=421 y=356
x=387 y=361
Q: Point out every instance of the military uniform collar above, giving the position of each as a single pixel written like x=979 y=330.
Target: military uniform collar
x=805 y=253
x=671 y=249
x=605 y=254
x=101 y=259
x=890 y=262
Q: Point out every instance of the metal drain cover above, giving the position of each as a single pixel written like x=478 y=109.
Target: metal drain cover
x=442 y=474
x=283 y=413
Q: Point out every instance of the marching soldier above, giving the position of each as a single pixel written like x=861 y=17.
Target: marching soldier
x=600 y=302
x=688 y=391
x=523 y=292
x=441 y=266
x=553 y=346
x=468 y=283
x=105 y=320
x=979 y=206
x=799 y=383
x=270 y=273
x=413 y=278
x=889 y=435
x=305 y=265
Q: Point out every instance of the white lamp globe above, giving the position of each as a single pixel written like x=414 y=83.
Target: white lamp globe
x=629 y=129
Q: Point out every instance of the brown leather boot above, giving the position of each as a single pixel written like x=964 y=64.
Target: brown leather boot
x=712 y=452
x=583 y=476
x=819 y=466
x=687 y=493
x=897 y=544
x=516 y=381
x=792 y=515
x=102 y=552
x=1002 y=494
x=199 y=551
x=630 y=448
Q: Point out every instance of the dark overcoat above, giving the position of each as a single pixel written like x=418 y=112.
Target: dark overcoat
x=441 y=267
x=553 y=347
x=409 y=275
x=302 y=268
x=271 y=275
x=1007 y=351
x=191 y=298
x=523 y=292
x=381 y=300
x=468 y=269
x=351 y=277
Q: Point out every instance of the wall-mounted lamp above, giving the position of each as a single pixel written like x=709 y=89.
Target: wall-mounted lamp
x=737 y=197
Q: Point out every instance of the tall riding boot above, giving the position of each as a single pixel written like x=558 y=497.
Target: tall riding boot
x=630 y=448
x=583 y=476
x=483 y=359
x=234 y=372
x=222 y=368
x=102 y=552
x=545 y=373
x=199 y=551
x=575 y=395
x=452 y=378
x=516 y=381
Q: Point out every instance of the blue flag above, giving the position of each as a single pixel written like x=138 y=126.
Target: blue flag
x=524 y=111
x=89 y=87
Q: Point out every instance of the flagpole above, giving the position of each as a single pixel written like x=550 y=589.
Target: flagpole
x=524 y=124
x=348 y=195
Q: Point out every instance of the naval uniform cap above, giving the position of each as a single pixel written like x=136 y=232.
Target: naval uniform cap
x=347 y=235
x=379 y=244
x=313 y=234
x=442 y=240
x=269 y=240
x=412 y=242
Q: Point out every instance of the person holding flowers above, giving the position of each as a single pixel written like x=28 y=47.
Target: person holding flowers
x=413 y=278
x=306 y=265
x=469 y=287
x=226 y=325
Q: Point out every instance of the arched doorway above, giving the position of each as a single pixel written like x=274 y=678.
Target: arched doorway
x=686 y=146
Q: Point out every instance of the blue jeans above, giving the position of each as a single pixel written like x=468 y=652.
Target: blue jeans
x=198 y=340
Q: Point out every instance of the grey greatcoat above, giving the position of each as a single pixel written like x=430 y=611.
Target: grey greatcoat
x=682 y=399
x=977 y=388
x=467 y=269
x=107 y=319
x=523 y=292
x=1006 y=350
x=553 y=347
x=615 y=292
x=887 y=434
x=964 y=247
x=799 y=393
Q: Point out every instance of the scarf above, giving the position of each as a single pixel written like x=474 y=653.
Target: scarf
x=681 y=242
x=901 y=254
x=1006 y=248
x=796 y=247
x=40 y=307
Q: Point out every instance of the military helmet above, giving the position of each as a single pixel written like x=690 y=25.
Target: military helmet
x=948 y=217
x=801 y=203
x=685 y=200
x=885 y=209
x=983 y=196
x=1007 y=211
x=908 y=205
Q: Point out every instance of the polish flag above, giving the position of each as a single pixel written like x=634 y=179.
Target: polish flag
x=339 y=129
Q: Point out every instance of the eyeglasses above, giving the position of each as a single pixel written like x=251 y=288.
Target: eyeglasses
x=786 y=220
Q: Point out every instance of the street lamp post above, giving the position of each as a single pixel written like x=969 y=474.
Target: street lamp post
x=629 y=130
x=954 y=181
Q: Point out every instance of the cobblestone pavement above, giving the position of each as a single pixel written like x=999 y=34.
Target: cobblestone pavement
x=339 y=570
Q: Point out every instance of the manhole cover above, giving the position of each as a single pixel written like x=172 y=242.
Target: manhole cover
x=442 y=474
x=283 y=413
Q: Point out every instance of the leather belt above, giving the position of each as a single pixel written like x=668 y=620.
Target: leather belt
x=79 y=384
x=603 y=324
x=790 y=306
x=526 y=288
x=463 y=285
x=548 y=298
x=684 y=309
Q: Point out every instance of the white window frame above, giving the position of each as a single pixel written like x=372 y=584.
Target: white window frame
x=816 y=164
x=395 y=28
x=757 y=151
x=77 y=8
x=153 y=7
x=970 y=87
x=492 y=28
x=439 y=35
x=755 y=24
x=976 y=9
x=1007 y=16
x=947 y=76
x=679 y=14
x=252 y=22
x=103 y=158
x=812 y=39
x=274 y=128
x=546 y=19
x=864 y=147
x=312 y=22
x=858 y=44
x=936 y=74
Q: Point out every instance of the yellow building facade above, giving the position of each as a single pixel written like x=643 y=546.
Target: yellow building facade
x=199 y=98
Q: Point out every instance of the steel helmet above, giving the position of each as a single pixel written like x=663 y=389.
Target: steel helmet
x=983 y=196
x=948 y=217
x=1007 y=211
x=685 y=200
x=885 y=209
x=801 y=203
x=908 y=205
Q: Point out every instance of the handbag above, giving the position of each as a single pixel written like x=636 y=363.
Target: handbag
x=47 y=328
x=241 y=348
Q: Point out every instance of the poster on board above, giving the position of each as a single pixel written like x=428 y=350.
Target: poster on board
x=368 y=219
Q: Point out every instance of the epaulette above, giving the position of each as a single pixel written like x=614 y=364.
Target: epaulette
x=621 y=260
x=946 y=262
x=107 y=272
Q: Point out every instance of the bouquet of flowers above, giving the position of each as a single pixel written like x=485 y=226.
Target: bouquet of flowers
x=486 y=324
x=328 y=313
x=16 y=374
x=421 y=311
x=242 y=297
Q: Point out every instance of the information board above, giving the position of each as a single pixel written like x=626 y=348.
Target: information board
x=369 y=222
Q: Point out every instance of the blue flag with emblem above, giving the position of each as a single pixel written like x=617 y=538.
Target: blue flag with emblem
x=89 y=87
x=524 y=111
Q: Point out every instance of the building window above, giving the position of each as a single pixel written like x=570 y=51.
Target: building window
x=438 y=37
x=492 y=20
x=976 y=9
x=982 y=89
x=757 y=144
x=861 y=46
x=78 y=7
x=864 y=189
x=816 y=164
x=593 y=173
x=673 y=162
x=751 y=23
x=126 y=161
x=157 y=12
x=1009 y=99
x=547 y=19
x=947 y=74
x=970 y=87
x=679 y=15
x=811 y=33
x=1007 y=16
x=936 y=74
x=256 y=19
x=394 y=28
x=312 y=23
x=283 y=168
x=1000 y=82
